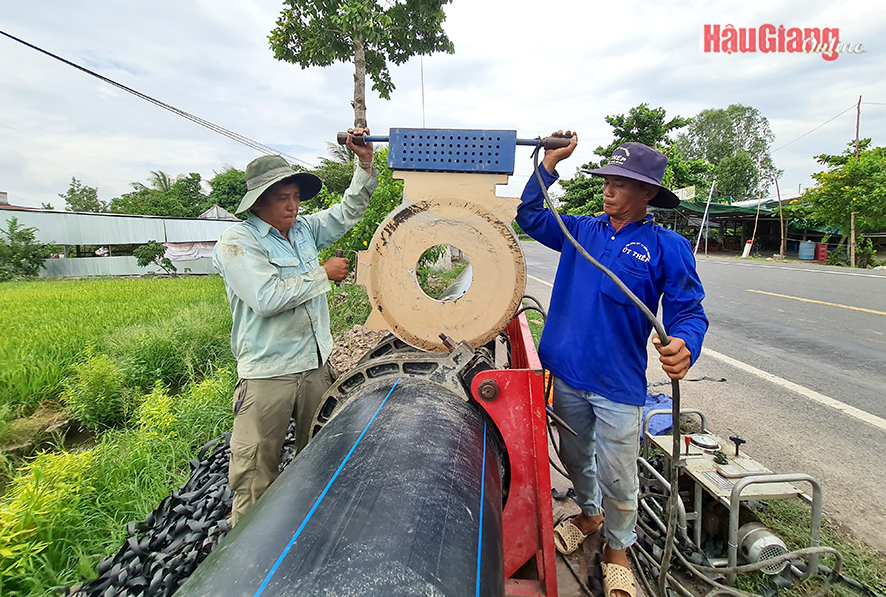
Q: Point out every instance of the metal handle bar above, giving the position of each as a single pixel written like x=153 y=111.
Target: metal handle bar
x=552 y=142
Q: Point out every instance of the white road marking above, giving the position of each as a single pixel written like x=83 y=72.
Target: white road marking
x=806 y=392
x=539 y=280
x=797 y=269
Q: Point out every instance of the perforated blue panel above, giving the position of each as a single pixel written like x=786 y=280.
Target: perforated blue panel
x=452 y=150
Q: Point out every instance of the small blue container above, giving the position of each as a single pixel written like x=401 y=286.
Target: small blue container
x=807 y=250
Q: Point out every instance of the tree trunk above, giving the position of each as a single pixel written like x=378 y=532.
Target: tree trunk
x=359 y=101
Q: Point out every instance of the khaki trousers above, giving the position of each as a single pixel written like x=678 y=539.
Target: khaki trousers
x=262 y=409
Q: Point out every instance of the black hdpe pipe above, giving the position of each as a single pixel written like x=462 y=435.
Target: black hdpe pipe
x=399 y=494
x=556 y=142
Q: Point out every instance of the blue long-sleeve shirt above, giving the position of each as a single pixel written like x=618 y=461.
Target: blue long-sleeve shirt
x=595 y=337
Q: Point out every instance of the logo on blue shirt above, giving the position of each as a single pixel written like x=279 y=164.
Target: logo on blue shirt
x=637 y=251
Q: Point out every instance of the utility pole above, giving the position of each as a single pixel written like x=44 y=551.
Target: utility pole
x=857 y=126
x=852 y=240
x=781 y=218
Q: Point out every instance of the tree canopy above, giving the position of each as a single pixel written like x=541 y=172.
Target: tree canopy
x=228 y=188
x=736 y=142
x=80 y=197
x=642 y=124
x=183 y=198
x=369 y=33
x=848 y=184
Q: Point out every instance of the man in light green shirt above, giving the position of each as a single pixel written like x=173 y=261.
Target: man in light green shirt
x=277 y=290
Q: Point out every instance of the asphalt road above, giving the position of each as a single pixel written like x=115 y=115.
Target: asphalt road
x=805 y=379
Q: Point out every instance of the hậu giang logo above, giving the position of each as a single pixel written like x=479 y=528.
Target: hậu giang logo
x=769 y=38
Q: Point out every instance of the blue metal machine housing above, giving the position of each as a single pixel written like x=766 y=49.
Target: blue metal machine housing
x=452 y=150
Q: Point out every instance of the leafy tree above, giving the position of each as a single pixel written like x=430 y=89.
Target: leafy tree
x=336 y=173
x=848 y=184
x=46 y=206
x=642 y=124
x=80 y=197
x=737 y=176
x=387 y=196
x=228 y=188
x=183 y=199
x=21 y=256
x=369 y=33
x=716 y=135
x=161 y=181
x=154 y=252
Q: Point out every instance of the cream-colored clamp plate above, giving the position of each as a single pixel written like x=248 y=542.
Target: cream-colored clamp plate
x=455 y=209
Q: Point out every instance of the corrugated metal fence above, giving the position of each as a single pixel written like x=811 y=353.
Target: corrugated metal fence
x=72 y=228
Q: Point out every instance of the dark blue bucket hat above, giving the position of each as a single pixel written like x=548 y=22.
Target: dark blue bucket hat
x=640 y=162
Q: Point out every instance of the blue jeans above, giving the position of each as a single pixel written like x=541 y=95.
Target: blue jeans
x=611 y=432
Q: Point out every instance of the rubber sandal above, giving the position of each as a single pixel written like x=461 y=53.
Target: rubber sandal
x=568 y=537
x=617 y=578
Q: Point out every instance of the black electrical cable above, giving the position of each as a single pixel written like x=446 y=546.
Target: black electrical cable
x=802 y=568
x=196 y=119
x=556 y=450
x=647 y=588
x=580 y=582
x=529 y=308
x=534 y=300
x=675 y=384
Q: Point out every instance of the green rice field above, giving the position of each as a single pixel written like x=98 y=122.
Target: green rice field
x=152 y=328
x=144 y=365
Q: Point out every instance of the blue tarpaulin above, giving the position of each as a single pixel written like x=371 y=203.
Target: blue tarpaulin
x=659 y=424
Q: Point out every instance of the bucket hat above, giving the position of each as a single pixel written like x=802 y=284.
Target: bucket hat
x=640 y=162
x=267 y=170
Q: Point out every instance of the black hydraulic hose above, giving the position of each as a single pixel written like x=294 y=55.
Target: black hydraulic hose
x=675 y=384
x=578 y=579
x=529 y=308
x=534 y=300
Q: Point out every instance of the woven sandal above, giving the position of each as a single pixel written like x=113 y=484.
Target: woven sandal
x=617 y=578
x=568 y=537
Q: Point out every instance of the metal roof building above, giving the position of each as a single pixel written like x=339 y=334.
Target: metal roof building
x=75 y=228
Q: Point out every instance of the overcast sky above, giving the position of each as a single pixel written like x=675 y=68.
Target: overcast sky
x=526 y=66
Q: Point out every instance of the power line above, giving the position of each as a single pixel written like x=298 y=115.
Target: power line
x=816 y=128
x=196 y=119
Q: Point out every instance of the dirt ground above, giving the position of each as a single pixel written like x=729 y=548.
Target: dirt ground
x=351 y=346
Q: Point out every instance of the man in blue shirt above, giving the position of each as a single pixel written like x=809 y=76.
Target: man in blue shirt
x=594 y=341
x=277 y=290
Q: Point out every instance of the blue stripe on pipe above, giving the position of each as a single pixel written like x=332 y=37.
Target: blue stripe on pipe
x=322 y=495
x=482 y=490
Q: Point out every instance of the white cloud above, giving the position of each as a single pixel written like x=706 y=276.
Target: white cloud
x=518 y=65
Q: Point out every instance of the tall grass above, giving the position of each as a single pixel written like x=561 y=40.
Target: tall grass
x=791 y=520
x=152 y=328
x=66 y=511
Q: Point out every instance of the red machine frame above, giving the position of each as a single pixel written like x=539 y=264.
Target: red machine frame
x=519 y=413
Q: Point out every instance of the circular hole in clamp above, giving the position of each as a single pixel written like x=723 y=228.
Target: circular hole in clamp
x=443 y=273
